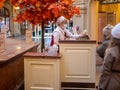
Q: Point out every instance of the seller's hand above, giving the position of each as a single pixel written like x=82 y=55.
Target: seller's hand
x=84 y=33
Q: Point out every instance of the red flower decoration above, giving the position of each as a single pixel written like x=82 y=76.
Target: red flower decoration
x=1 y=3
x=38 y=11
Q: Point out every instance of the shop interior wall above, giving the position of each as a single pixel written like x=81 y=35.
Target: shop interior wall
x=112 y=16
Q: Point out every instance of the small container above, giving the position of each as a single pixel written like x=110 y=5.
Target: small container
x=53 y=50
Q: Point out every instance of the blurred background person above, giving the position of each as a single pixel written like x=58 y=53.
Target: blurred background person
x=107 y=36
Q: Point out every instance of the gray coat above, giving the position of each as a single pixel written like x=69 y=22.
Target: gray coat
x=110 y=76
x=101 y=49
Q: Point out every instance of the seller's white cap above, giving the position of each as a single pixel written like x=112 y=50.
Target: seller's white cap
x=116 y=31
x=60 y=19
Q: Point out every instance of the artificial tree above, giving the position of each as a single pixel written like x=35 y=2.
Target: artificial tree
x=1 y=3
x=42 y=11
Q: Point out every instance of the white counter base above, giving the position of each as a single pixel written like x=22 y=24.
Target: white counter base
x=41 y=72
x=78 y=64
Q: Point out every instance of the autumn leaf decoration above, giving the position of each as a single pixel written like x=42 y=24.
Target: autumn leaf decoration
x=1 y=3
x=38 y=11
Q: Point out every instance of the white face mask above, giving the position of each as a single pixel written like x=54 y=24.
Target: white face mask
x=65 y=26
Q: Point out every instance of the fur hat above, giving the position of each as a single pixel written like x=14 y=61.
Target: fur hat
x=60 y=19
x=116 y=31
x=107 y=30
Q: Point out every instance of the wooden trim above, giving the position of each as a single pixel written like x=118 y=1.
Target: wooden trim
x=78 y=85
x=99 y=42
x=40 y=55
x=78 y=41
x=101 y=12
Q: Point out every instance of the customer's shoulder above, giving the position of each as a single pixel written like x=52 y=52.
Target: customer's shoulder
x=113 y=48
x=114 y=51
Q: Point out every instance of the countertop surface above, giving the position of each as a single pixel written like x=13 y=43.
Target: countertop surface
x=41 y=55
x=14 y=47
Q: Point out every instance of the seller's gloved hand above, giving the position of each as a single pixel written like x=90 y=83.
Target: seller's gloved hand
x=84 y=33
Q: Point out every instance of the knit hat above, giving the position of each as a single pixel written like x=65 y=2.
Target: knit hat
x=116 y=31
x=107 y=30
x=60 y=19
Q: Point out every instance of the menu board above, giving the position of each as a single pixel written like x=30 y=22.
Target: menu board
x=2 y=42
x=28 y=36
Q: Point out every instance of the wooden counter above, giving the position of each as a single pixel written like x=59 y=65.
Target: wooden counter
x=12 y=65
x=78 y=64
x=41 y=71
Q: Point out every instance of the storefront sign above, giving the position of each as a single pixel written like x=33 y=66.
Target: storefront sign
x=2 y=42
x=109 y=1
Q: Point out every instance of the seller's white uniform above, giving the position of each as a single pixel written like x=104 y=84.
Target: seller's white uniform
x=60 y=34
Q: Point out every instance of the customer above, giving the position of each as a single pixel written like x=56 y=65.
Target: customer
x=61 y=33
x=107 y=36
x=110 y=76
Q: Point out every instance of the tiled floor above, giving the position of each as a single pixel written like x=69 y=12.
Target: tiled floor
x=99 y=62
x=98 y=69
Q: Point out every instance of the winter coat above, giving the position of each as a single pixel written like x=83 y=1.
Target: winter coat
x=102 y=48
x=110 y=76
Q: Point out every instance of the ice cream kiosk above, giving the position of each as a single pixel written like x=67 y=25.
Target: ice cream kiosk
x=73 y=68
x=78 y=64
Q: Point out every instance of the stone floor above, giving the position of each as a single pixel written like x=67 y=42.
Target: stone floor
x=99 y=62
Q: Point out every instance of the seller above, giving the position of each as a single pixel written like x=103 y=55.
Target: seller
x=61 y=33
